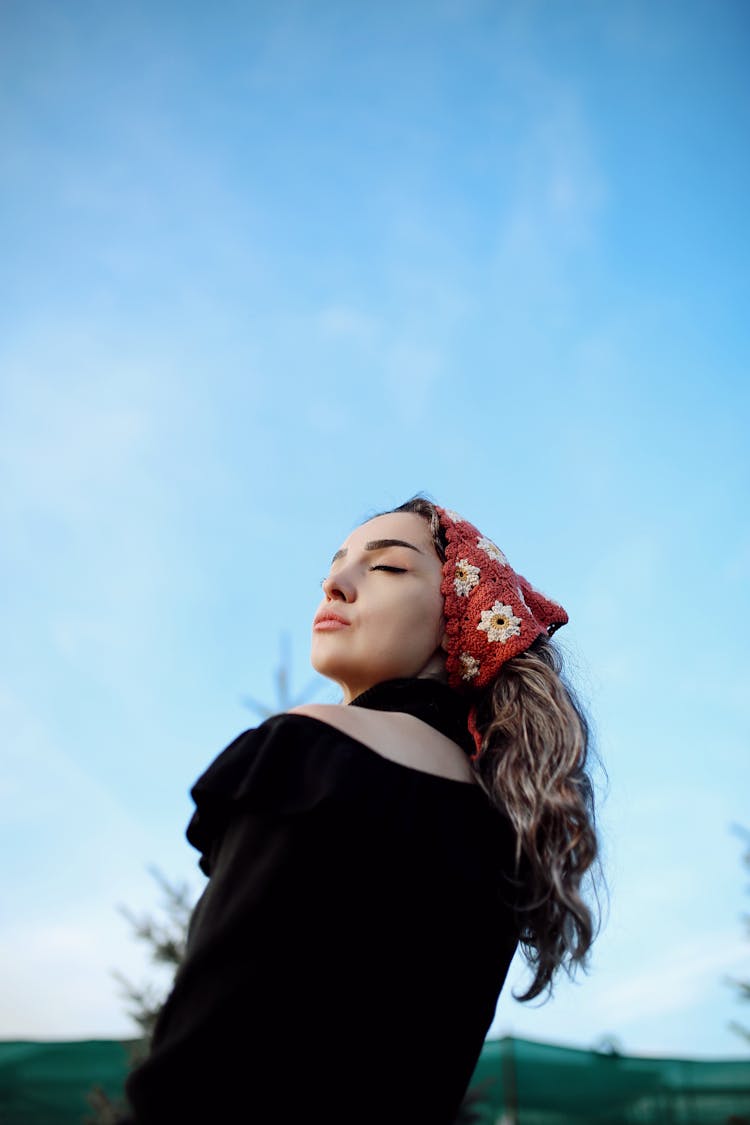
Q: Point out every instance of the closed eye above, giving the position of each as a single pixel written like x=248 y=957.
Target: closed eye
x=392 y=569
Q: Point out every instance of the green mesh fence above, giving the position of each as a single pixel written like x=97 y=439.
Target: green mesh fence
x=516 y=1082
x=47 y=1083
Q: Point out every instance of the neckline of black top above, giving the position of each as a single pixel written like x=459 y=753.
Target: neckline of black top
x=430 y=700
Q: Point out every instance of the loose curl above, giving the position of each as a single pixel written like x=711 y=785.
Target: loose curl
x=535 y=746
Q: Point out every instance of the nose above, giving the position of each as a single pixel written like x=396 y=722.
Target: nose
x=337 y=587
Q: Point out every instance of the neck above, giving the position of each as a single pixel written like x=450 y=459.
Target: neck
x=434 y=669
x=426 y=698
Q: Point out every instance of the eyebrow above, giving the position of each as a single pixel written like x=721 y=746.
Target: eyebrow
x=378 y=545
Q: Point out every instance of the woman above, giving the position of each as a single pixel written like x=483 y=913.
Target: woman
x=374 y=864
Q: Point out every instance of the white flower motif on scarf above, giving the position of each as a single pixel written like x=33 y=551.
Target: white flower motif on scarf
x=499 y=623
x=469 y=666
x=467 y=577
x=453 y=515
x=493 y=551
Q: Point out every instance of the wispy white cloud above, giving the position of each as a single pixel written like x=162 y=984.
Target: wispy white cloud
x=637 y=998
x=407 y=367
x=99 y=478
x=73 y=847
x=411 y=373
x=72 y=430
x=737 y=564
x=62 y=985
x=675 y=979
x=44 y=791
x=346 y=323
x=558 y=194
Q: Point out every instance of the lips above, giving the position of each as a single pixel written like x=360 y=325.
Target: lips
x=328 y=620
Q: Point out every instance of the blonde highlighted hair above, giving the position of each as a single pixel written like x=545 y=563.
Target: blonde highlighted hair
x=533 y=765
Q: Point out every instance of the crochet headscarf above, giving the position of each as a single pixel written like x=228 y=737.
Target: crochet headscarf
x=491 y=612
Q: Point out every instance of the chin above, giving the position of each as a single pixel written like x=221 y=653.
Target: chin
x=329 y=667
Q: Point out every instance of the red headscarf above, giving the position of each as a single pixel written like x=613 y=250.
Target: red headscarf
x=491 y=612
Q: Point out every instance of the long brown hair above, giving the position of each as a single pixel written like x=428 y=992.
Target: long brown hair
x=536 y=742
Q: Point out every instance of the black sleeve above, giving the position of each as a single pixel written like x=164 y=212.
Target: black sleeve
x=333 y=970
x=221 y=1037
x=263 y=946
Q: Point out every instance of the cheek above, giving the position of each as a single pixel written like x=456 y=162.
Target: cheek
x=418 y=618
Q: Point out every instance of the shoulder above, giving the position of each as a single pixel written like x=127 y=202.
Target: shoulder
x=276 y=771
x=394 y=735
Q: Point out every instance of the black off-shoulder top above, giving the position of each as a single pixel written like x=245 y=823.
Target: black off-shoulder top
x=345 y=958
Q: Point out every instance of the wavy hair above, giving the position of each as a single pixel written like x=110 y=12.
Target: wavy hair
x=536 y=743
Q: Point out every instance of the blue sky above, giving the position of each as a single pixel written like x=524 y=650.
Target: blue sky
x=268 y=269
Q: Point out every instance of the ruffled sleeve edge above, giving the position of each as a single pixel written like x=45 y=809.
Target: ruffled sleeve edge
x=270 y=770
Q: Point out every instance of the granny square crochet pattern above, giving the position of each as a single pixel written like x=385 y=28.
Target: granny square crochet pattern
x=492 y=613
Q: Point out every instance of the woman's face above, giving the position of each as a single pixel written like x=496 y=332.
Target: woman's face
x=388 y=594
